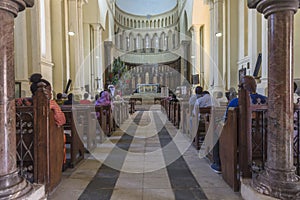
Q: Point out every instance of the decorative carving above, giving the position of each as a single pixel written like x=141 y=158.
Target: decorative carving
x=268 y=7
x=15 y=6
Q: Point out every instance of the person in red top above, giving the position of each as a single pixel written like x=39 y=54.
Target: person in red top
x=59 y=116
x=85 y=100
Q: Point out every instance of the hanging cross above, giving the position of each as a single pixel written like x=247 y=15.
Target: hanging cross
x=98 y=79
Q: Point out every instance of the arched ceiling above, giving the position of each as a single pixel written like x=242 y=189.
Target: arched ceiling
x=146 y=7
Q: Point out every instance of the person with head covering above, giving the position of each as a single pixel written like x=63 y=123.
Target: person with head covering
x=104 y=99
x=249 y=83
x=59 y=116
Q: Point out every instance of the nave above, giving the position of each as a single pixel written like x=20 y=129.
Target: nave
x=146 y=158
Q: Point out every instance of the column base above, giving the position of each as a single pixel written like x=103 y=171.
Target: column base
x=278 y=183
x=12 y=186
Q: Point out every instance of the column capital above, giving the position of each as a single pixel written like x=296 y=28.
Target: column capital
x=185 y=42
x=80 y=3
x=267 y=7
x=97 y=27
x=15 y=6
x=195 y=27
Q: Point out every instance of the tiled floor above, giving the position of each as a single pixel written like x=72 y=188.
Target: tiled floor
x=146 y=159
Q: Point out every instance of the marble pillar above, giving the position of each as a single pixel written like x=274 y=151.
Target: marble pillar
x=107 y=58
x=186 y=66
x=196 y=48
x=218 y=47
x=12 y=186
x=97 y=58
x=279 y=179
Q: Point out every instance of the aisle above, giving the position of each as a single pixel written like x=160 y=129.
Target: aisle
x=147 y=158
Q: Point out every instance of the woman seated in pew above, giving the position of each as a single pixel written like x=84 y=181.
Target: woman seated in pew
x=104 y=99
x=249 y=83
x=59 y=116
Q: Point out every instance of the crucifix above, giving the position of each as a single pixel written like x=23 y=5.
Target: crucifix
x=97 y=80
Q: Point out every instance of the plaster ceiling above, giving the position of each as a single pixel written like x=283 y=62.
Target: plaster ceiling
x=146 y=7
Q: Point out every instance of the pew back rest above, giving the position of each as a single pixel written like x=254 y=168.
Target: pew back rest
x=39 y=142
x=228 y=144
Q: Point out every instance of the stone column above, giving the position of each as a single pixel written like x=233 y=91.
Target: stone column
x=263 y=86
x=107 y=58
x=279 y=179
x=218 y=48
x=97 y=57
x=11 y=185
x=212 y=44
x=186 y=53
x=196 y=48
x=80 y=43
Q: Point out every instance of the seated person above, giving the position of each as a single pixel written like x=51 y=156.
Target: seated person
x=104 y=99
x=85 y=100
x=192 y=100
x=296 y=96
x=205 y=101
x=174 y=98
x=249 y=84
x=231 y=94
x=220 y=98
x=59 y=116
x=23 y=102
x=59 y=99
x=70 y=100
x=198 y=94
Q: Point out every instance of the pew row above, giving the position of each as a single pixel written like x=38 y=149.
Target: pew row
x=245 y=153
x=73 y=129
x=39 y=143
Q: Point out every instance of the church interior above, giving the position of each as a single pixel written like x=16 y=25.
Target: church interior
x=100 y=99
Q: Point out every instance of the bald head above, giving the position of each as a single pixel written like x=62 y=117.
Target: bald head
x=249 y=84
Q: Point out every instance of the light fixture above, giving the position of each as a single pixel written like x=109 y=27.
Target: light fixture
x=71 y=33
x=219 y=34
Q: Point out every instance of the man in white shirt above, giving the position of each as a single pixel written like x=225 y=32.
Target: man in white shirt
x=205 y=101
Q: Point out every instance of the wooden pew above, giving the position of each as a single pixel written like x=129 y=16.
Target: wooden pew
x=158 y=99
x=87 y=116
x=200 y=126
x=120 y=112
x=136 y=99
x=132 y=106
x=177 y=115
x=184 y=116
x=39 y=142
x=72 y=128
x=105 y=119
x=229 y=150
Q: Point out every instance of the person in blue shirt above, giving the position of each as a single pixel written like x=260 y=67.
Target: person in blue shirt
x=249 y=84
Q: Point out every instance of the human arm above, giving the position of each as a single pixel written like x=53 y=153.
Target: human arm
x=59 y=116
x=233 y=103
